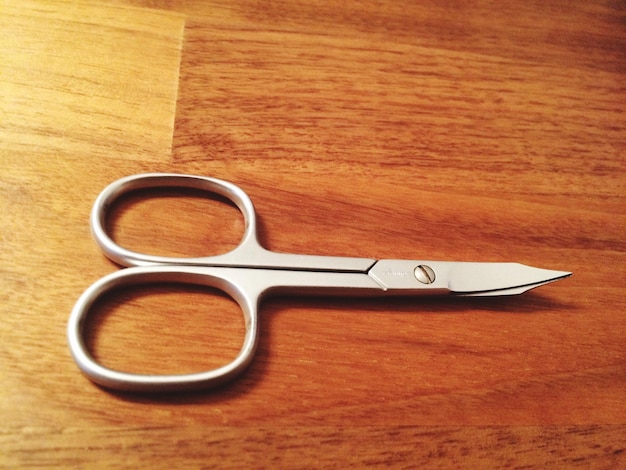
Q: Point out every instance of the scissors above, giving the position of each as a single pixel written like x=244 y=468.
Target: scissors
x=250 y=272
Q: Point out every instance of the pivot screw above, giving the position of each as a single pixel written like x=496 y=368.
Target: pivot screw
x=424 y=274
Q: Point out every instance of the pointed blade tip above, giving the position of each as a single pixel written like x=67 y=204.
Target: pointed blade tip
x=558 y=275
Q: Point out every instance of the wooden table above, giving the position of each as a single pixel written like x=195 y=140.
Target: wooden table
x=379 y=129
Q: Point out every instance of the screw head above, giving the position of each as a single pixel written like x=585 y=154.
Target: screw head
x=424 y=274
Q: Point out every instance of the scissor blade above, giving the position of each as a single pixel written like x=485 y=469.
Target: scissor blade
x=488 y=279
x=519 y=289
x=460 y=278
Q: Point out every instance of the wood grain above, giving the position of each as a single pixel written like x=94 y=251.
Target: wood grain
x=377 y=129
x=97 y=81
x=324 y=446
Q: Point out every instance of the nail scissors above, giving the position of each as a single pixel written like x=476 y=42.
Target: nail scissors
x=250 y=272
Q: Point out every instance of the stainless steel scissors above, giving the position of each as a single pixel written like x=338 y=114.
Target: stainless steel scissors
x=250 y=272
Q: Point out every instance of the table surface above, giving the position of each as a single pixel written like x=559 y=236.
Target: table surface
x=422 y=130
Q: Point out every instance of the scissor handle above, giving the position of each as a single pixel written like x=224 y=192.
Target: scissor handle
x=249 y=252
x=224 y=272
x=231 y=281
x=249 y=244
